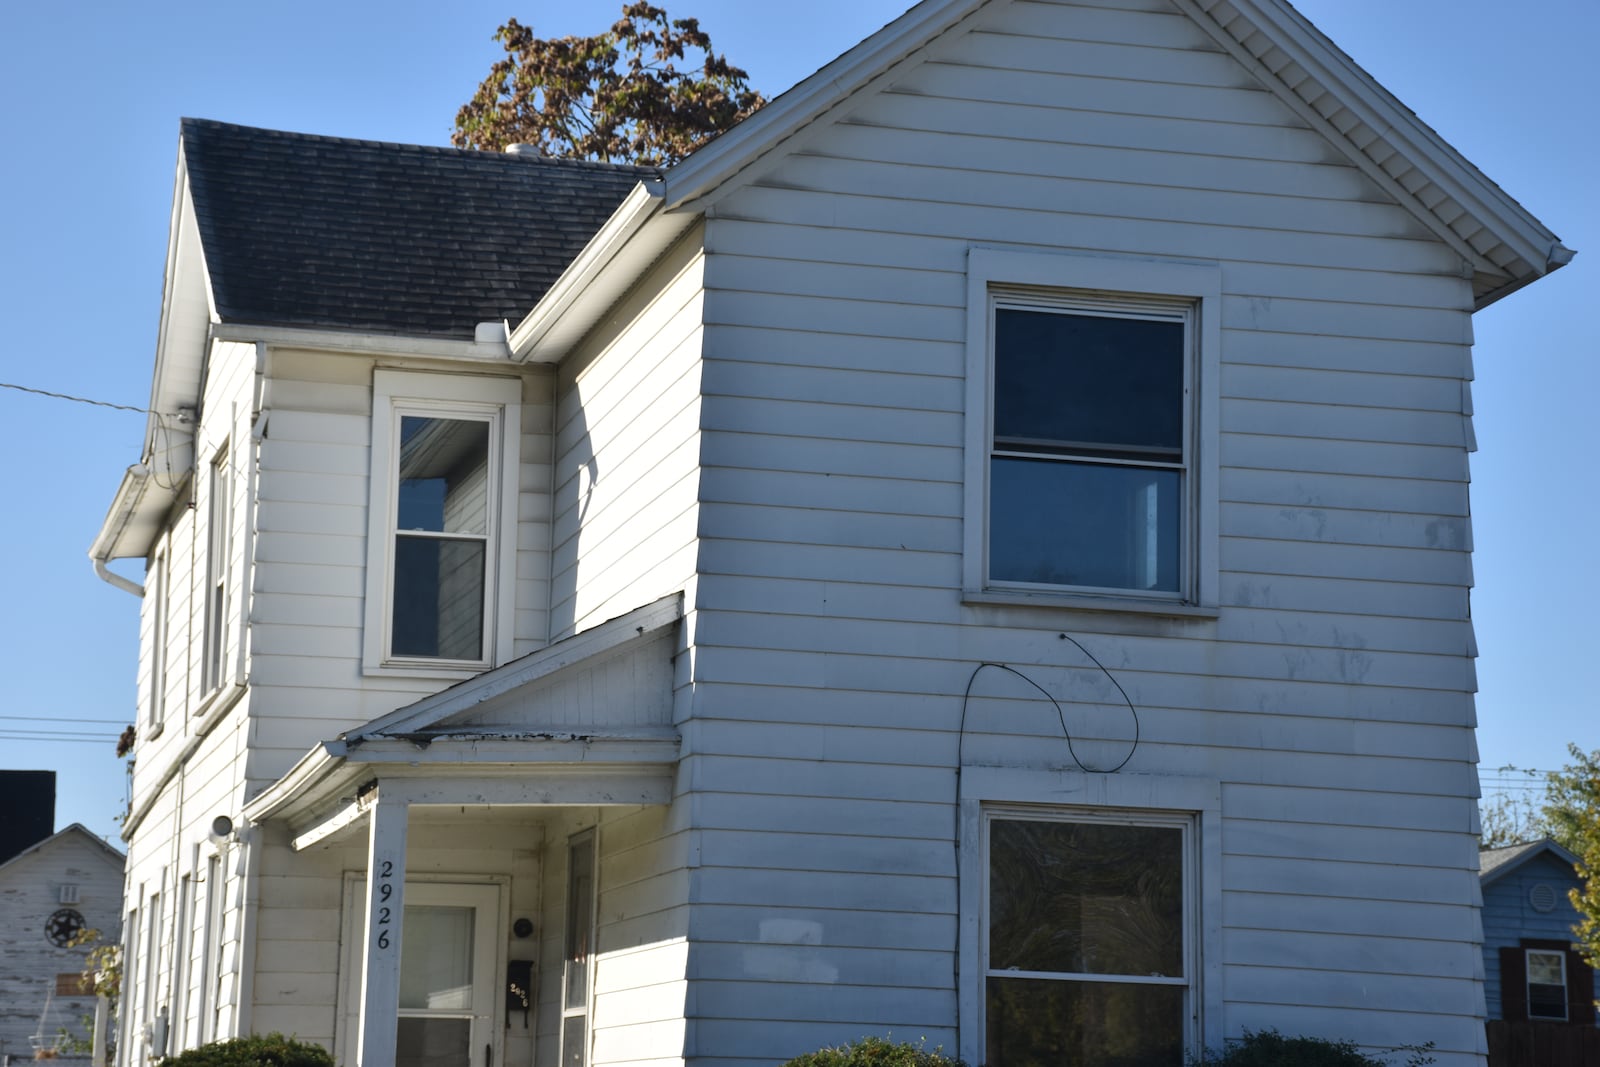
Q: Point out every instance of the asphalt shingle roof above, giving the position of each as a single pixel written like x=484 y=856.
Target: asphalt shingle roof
x=311 y=231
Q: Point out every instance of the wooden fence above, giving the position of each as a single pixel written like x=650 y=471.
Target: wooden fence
x=1525 y=1044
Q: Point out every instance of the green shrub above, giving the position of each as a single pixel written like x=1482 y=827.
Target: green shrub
x=273 y=1050
x=875 y=1052
x=1268 y=1048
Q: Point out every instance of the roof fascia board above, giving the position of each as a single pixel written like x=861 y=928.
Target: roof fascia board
x=78 y=827
x=124 y=505
x=361 y=342
x=185 y=271
x=1538 y=848
x=591 y=643
x=629 y=241
x=709 y=170
x=298 y=787
x=1358 y=91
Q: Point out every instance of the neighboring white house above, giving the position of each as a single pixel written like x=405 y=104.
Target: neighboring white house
x=979 y=551
x=50 y=891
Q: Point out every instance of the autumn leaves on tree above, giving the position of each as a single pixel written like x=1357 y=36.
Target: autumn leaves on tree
x=649 y=90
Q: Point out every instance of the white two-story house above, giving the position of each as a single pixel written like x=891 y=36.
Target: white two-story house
x=979 y=551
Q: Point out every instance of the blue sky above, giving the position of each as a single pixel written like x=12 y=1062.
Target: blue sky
x=91 y=94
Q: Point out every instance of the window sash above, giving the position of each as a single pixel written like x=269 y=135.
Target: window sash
x=1528 y=974
x=218 y=546
x=1110 y=454
x=400 y=410
x=1190 y=931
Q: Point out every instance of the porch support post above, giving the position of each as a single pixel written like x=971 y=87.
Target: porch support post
x=386 y=889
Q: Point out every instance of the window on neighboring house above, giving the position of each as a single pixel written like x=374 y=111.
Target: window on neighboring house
x=1546 y=981
x=578 y=951
x=158 y=588
x=1088 y=939
x=1090 y=455
x=219 y=528
x=442 y=521
x=1547 y=984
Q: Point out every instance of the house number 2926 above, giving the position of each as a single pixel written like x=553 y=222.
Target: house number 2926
x=381 y=912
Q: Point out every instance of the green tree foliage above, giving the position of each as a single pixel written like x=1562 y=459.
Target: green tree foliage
x=1572 y=810
x=875 y=1052
x=648 y=90
x=273 y=1050
x=1268 y=1048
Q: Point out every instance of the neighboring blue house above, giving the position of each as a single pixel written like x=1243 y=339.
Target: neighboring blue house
x=1530 y=969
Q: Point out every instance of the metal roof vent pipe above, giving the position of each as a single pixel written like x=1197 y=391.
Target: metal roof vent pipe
x=525 y=150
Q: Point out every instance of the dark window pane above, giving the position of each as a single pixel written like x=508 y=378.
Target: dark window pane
x=580 y=922
x=438 y=598
x=572 y=1051
x=1039 y=1023
x=1085 y=898
x=434 y=1043
x=1088 y=524
x=1088 y=379
x=444 y=475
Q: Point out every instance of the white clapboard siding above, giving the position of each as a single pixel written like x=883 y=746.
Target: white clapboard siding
x=626 y=447
x=1331 y=695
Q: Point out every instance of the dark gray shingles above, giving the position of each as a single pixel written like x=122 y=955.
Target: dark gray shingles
x=303 y=230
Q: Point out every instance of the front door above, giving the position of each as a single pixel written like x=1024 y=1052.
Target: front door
x=448 y=961
x=447 y=967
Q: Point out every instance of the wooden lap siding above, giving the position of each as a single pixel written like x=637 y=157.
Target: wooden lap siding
x=1332 y=697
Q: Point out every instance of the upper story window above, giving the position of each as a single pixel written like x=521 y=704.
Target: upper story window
x=1091 y=445
x=157 y=588
x=441 y=552
x=219 y=530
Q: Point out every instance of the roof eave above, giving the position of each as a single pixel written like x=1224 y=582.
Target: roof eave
x=633 y=238
x=711 y=167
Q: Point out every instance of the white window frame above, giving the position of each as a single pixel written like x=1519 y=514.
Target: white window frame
x=219 y=552
x=497 y=401
x=1100 y=283
x=1527 y=983
x=1132 y=799
x=591 y=839
x=160 y=586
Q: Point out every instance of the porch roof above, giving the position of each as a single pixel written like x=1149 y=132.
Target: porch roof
x=587 y=720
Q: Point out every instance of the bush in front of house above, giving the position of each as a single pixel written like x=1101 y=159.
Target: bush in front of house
x=875 y=1052
x=272 y=1050
x=1268 y=1048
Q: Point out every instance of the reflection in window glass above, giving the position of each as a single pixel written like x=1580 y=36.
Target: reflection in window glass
x=1547 y=985
x=442 y=516
x=1086 y=960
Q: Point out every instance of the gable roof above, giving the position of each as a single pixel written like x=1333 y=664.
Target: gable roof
x=326 y=232
x=1504 y=245
x=1496 y=863
x=77 y=829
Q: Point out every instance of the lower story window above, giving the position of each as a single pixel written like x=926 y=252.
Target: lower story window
x=1088 y=940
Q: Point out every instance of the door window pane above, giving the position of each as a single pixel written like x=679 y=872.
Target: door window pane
x=436 y=958
x=434 y=1043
